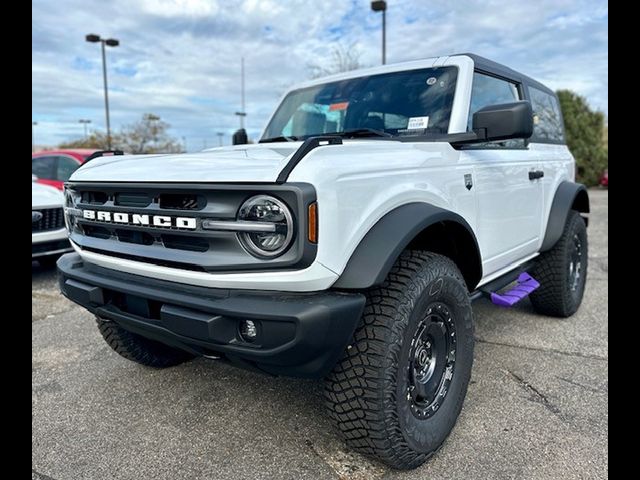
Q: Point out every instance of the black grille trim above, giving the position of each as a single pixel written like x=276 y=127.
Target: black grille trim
x=182 y=201
x=132 y=199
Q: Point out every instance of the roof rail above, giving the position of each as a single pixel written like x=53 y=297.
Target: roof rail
x=101 y=153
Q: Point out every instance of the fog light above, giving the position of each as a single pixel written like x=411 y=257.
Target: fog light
x=248 y=330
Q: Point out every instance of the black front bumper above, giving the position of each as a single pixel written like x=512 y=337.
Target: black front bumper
x=299 y=334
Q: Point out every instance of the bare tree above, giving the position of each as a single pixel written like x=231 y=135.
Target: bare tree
x=343 y=59
x=147 y=135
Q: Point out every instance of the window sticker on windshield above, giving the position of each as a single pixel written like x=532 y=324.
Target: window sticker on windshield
x=338 y=106
x=431 y=80
x=418 y=123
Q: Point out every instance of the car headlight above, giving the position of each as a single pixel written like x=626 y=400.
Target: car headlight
x=278 y=226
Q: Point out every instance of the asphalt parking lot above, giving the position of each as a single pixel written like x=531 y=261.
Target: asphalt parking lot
x=537 y=406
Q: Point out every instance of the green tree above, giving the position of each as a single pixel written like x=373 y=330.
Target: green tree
x=585 y=134
x=147 y=135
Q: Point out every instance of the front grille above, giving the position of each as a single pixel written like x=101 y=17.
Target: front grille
x=156 y=241
x=52 y=219
x=122 y=223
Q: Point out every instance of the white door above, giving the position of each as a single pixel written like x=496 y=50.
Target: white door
x=549 y=146
x=508 y=196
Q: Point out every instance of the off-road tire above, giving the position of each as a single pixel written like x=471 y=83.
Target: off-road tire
x=367 y=392
x=139 y=349
x=559 y=295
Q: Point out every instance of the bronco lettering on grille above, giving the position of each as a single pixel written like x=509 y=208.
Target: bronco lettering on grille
x=140 y=219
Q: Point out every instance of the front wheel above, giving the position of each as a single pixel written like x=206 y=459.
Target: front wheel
x=399 y=389
x=140 y=349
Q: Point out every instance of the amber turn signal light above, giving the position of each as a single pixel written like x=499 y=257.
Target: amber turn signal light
x=313 y=223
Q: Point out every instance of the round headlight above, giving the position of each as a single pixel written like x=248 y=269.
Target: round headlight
x=276 y=236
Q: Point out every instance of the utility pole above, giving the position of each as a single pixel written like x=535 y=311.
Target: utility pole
x=33 y=136
x=184 y=143
x=242 y=113
x=220 y=135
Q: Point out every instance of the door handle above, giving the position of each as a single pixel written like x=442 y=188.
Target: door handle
x=535 y=174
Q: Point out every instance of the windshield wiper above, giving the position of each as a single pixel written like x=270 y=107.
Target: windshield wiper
x=282 y=138
x=362 y=132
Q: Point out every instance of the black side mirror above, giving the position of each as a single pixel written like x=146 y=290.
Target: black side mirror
x=504 y=121
x=240 y=137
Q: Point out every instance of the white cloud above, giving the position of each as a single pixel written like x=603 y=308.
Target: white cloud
x=171 y=8
x=180 y=59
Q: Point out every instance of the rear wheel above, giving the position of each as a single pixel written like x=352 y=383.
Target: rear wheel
x=140 y=349
x=562 y=271
x=399 y=389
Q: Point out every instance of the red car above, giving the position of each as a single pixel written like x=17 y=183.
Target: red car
x=604 y=179
x=54 y=167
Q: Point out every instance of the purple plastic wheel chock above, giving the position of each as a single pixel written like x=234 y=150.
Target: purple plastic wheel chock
x=524 y=286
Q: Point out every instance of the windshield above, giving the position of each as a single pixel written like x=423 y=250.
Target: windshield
x=413 y=102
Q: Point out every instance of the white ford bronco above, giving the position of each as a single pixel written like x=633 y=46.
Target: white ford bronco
x=349 y=243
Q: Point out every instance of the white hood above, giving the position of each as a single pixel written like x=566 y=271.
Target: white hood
x=45 y=196
x=240 y=163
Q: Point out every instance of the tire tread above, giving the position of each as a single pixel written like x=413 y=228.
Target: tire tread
x=553 y=298
x=357 y=391
x=139 y=349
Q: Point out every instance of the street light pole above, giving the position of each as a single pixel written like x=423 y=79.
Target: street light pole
x=381 y=6
x=33 y=136
x=384 y=36
x=111 y=42
x=242 y=112
x=84 y=123
x=106 y=94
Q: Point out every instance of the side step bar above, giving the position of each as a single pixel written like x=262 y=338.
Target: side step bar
x=510 y=288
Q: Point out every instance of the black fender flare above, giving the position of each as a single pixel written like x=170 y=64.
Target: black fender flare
x=569 y=196
x=376 y=253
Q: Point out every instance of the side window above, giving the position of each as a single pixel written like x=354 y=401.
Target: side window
x=488 y=90
x=65 y=167
x=547 y=120
x=43 y=167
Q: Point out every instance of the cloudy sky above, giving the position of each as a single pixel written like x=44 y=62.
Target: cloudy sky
x=180 y=59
